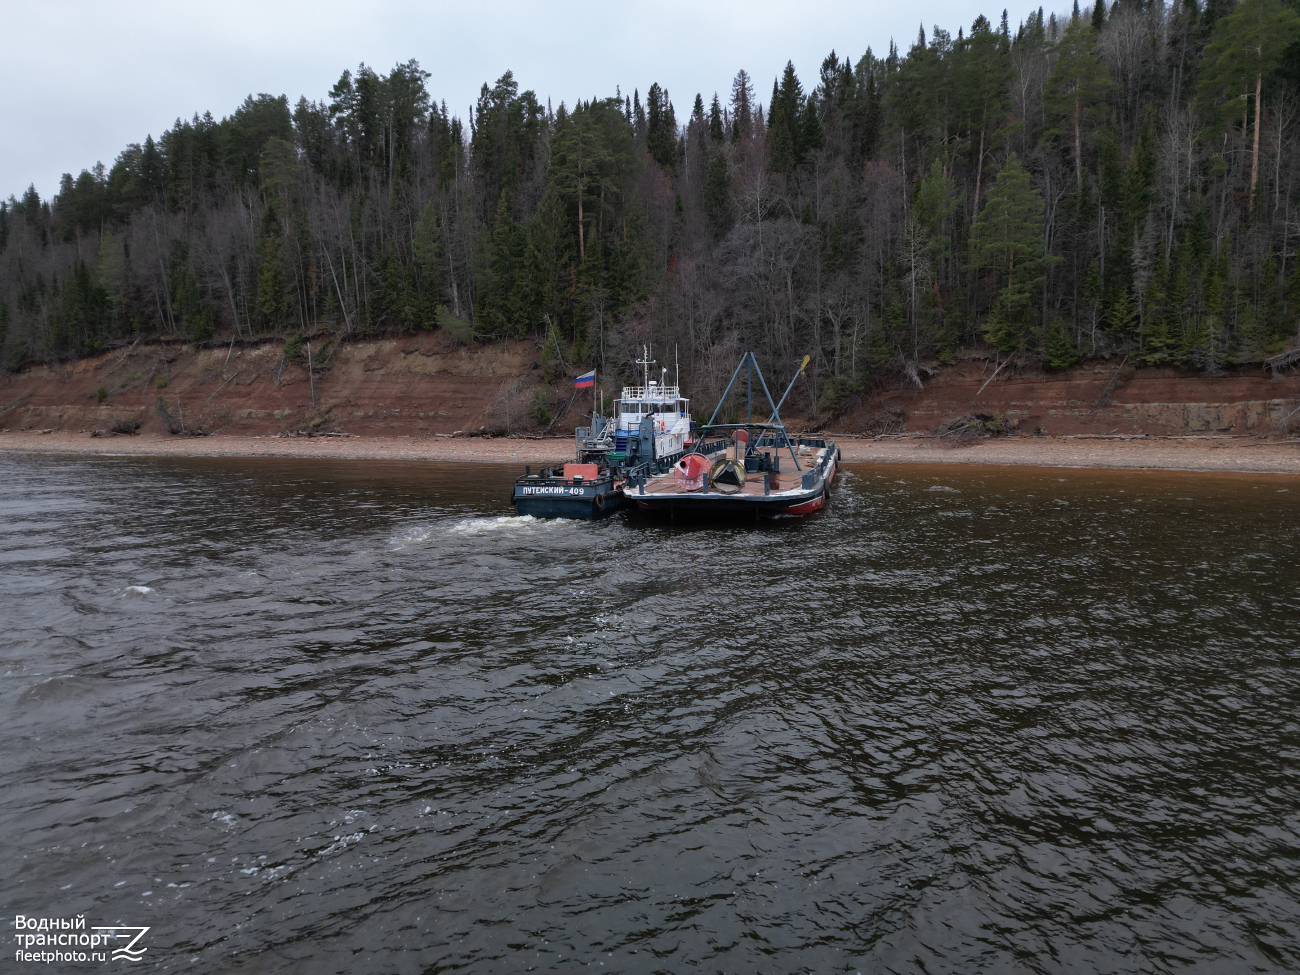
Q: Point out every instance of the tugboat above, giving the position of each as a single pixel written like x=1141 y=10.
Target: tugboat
x=735 y=469
x=579 y=490
x=653 y=408
x=650 y=430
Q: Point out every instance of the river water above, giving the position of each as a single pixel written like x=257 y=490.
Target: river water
x=355 y=717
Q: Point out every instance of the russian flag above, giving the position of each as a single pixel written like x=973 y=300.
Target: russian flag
x=586 y=380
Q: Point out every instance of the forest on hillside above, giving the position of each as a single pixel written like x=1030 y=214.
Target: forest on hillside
x=1111 y=180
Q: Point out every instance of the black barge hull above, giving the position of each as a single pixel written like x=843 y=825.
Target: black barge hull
x=811 y=496
x=727 y=506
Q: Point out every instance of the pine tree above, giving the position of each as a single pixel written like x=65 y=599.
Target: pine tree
x=717 y=194
x=1247 y=47
x=935 y=205
x=273 y=304
x=984 y=77
x=1077 y=88
x=1138 y=180
x=1007 y=237
x=498 y=310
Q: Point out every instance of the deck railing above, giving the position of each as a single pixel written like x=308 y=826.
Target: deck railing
x=559 y=481
x=657 y=392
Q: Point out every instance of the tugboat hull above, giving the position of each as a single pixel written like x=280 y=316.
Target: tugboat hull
x=561 y=498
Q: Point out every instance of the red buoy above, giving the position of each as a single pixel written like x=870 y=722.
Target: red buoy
x=689 y=471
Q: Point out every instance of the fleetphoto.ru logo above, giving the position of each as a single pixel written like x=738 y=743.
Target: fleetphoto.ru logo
x=59 y=939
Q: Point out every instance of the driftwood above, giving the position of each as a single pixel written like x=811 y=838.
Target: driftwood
x=12 y=403
x=886 y=421
x=910 y=368
x=1106 y=436
x=1104 y=398
x=308 y=434
x=220 y=388
x=172 y=426
x=121 y=359
x=558 y=416
x=1282 y=360
x=973 y=425
x=1009 y=360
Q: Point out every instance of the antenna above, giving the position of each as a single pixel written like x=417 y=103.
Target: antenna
x=645 y=362
x=678 y=364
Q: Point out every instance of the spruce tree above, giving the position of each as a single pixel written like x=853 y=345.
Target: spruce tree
x=716 y=132
x=742 y=105
x=786 y=134
x=426 y=244
x=812 y=135
x=661 y=127
x=717 y=194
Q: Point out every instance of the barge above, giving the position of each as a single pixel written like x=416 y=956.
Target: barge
x=741 y=469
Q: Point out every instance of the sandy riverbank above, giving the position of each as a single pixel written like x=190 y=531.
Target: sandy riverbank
x=482 y=449
x=1243 y=454
x=1229 y=454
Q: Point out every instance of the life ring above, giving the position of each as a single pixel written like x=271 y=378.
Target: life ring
x=600 y=502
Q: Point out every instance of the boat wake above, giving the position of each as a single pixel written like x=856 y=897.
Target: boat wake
x=419 y=535
x=507 y=523
x=412 y=537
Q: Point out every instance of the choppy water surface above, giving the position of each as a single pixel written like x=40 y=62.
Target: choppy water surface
x=327 y=717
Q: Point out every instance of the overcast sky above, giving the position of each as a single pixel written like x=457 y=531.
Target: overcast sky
x=82 y=78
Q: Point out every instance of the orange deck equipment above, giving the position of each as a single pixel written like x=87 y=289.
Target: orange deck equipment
x=587 y=472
